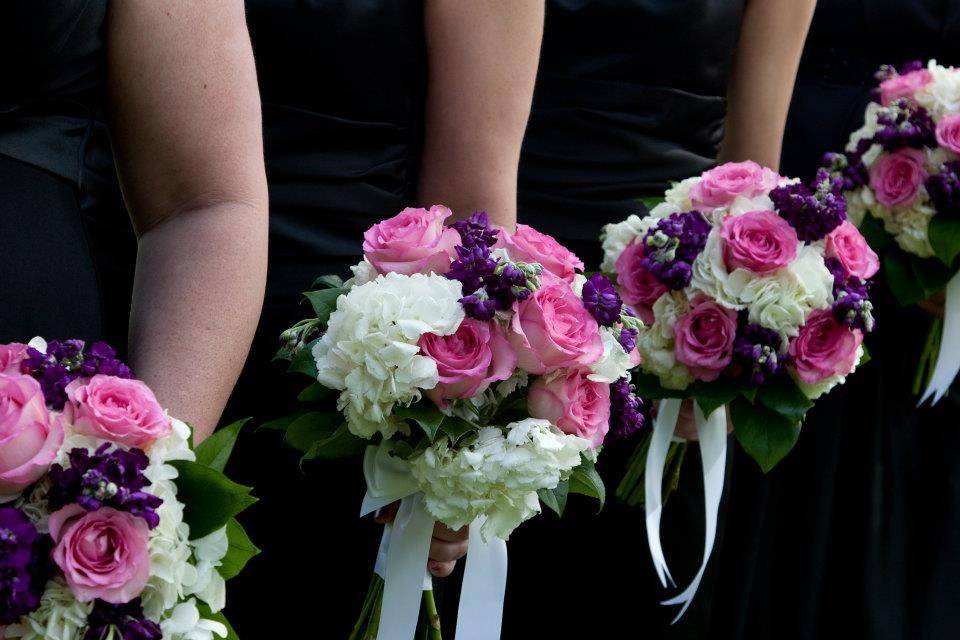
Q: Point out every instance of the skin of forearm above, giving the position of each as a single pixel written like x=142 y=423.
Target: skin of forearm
x=197 y=298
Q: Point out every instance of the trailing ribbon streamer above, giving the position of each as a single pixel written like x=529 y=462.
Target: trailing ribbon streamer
x=712 y=432
x=404 y=550
x=948 y=358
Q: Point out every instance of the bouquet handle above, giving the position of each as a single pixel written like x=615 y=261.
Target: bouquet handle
x=948 y=358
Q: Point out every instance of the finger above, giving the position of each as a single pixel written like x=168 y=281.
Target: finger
x=447 y=551
x=443 y=532
x=440 y=569
x=387 y=514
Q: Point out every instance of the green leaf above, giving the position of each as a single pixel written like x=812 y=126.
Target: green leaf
x=316 y=392
x=324 y=302
x=876 y=236
x=339 y=444
x=425 y=415
x=556 y=498
x=648 y=387
x=784 y=397
x=749 y=392
x=239 y=553
x=210 y=498
x=864 y=356
x=945 y=238
x=713 y=395
x=931 y=274
x=214 y=452
x=328 y=282
x=206 y=614
x=303 y=362
x=455 y=428
x=903 y=283
x=587 y=482
x=280 y=424
x=764 y=434
x=651 y=202
x=310 y=428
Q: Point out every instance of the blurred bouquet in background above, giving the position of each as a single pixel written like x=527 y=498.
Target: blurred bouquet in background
x=111 y=524
x=754 y=291
x=478 y=371
x=900 y=175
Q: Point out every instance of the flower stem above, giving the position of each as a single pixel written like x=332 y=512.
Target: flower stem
x=928 y=359
x=433 y=617
x=370 y=603
x=627 y=488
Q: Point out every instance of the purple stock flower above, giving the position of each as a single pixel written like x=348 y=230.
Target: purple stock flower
x=627 y=411
x=65 y=361
x=472 y=267
x=944 y=189
x=601 y=299
x=848 y=168
x=479 y=306
x=476 y=231
x=852 y=306
x=24 y=565
x=758 y=350
x=126 y=621
x=105 y=479
x=672 y=245
x=813 y=214
x=904 y=124
x=628 y=339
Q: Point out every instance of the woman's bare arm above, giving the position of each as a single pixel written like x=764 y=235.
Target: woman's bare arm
x=185 y=120
x=762 y=78
x=482 y=61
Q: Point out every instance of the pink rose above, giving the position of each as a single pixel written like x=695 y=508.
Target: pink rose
x=116 y=409
x=29 y=439
x=824 y=348
x=11 y=355
x=103 y=554
x=905 y=86
x=638 y=287
x=469 y=360
x=896 y=177
x=948 y=132
x=720 y=186
x=758 y=241
x=413 y=241
x=847 y=244
x=529 y=245
x=704 y=339
x=574 y=403
x=552 y=329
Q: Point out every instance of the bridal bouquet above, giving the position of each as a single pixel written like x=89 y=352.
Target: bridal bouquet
x=903 y=169
x=478 y=371
x=111 y=525
x=754 y=294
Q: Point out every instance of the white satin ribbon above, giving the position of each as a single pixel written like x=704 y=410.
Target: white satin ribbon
x=948 y=358
x=404 y=550
x=712 y=432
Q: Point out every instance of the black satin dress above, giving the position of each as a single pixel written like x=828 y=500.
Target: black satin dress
x=855 y=533
x=630 y=96
x=342 y=84
x=67 y=243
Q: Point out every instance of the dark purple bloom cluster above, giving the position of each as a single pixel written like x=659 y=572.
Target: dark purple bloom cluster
x=125 y=621
x=813 y=213
x=673 y=244
x=67 y=360
x=628 y=412
x=601 y=299
x=628 y=339
x=904 y=124
x=24 y=565
x=489 y=285
x=944 y=189
x=848 y=168
x=852 y=306
x=757 y=349
x=105 y=479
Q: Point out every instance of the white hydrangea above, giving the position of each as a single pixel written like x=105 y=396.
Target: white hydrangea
x=617 y=237
x=498 y=476
x=171 y=571
x=942 y=95
x=781 y=301
x=867 y=131
x=60 y=616
x=185 y=623
x=370 y=351
x=363 y=272
x=209 y=585
x=615 y=363
x=814 y=391
x=679 y=193
x=709 y=274
x=656 y=342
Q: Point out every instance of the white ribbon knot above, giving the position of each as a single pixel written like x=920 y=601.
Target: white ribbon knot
x=948 y=358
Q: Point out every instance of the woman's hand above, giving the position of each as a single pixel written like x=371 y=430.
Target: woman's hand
x=446 y=547
x=934 y=304
x=687 y=424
